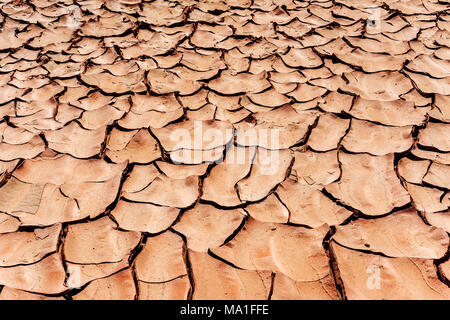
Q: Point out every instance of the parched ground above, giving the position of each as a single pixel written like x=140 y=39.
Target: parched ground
x=234 y=149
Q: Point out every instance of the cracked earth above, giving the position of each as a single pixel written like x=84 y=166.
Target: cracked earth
x=348 y=199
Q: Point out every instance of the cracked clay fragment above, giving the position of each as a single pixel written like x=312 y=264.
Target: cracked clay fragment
x=206 y=227
x=374 y=277
x=369 y=184
x=266 y=246
x=385 y=235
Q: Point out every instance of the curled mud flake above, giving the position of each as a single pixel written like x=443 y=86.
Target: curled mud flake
x=41 y=205
x=141 y=148
x=26 y=150
x=236 y=61
x=220 y=185
x=287 y=77
x=161 y=13
x=23 y=248
x=118 y=139
x=68 y=69
x=309 y=206
x=98 y=241
x=384 y=235
x=108 y=25
x=331 y=83
x=435 y=156
x=373 y=62
x=207 y=227
x=284 y=288
x=177 y=289
x=81 y=98
x=428 y=199
x=15 y=294
x=16 y=136
x=369 y=184
x=161 y=259
x=140 y=177
x=152 y=118
x=430 y=85
x=267 y=246
x=279 y=128
x=295 y=28
x=270 y=98
x=439 y=219
x=305 y=58
x=67 y=113
x=371 y=138
x=228 y=83
x=313 y=168
x=194 y=135
x=336 y=102
x=104 y=80
x=60 y=169
x=179 y=171
x=306 y=92
x=164 y=82
x=435 y=68
x=269 y=168
x=413 y=170
x=225 y=282
x=19 y=196
x=383 y=46
x=204 y=113
x=43 y=93
x=328 y=132
x=441 y=109
x=165 y=191
x=269 y=210
x=224 y=102
x=75 y=140
x=437 y=175
x=81 y=274
x=375 y=277
x=119 y=286
x=202 y=62
x=144 y=217
x=445 y=269
x=7 y=167
x=92 y=197
x=436 y=135
x=8 y=223
x=381 y=86
x=46 y=276
x=391 y=113
x=100 y=117
x=206 y=39
x=7 y=109
x=195 y=101
x=234 y=116
x=337 y=68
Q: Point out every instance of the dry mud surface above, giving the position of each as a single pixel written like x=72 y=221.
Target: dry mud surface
x=235 y=149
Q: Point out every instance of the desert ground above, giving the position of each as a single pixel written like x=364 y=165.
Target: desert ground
x=232 y=149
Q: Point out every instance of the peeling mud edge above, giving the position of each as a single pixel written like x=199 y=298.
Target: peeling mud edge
x=188 y=265
x=439 y=272
x=272 y=283
x=335 y=273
